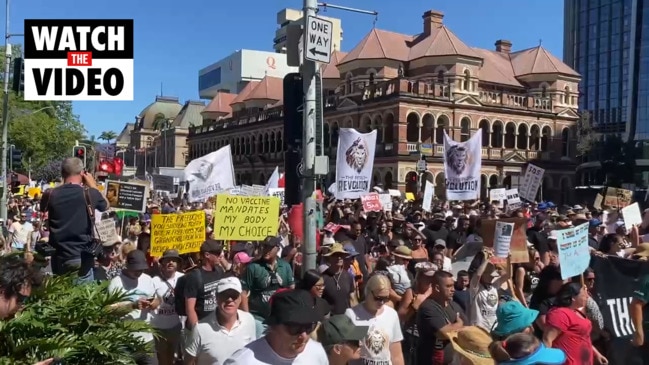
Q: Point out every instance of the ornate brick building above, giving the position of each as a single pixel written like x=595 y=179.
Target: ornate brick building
x=410 y=89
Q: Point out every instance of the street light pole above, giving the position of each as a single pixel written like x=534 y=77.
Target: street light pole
x=309 y=73
x=5 y=116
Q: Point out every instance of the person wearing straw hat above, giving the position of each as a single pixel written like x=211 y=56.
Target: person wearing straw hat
x=341 y=339
x=471 y=345
x=339 y=289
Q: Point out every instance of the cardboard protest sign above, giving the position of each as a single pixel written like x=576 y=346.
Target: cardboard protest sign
x=126 y=195
x=184 y=232
x=245 y=218
x=518 y=243
x=371 y=202
x=106 y=230
x=613 y=198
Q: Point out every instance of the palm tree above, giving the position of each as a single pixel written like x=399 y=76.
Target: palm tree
x=108 y=136
x=161 y=122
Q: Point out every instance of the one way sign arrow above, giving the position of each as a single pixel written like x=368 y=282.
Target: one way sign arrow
x=315 y=52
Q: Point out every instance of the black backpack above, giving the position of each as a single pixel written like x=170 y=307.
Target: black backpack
x=179 y=291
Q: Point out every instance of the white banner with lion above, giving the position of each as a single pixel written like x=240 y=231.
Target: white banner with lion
x=462 y=164
x=354 y=163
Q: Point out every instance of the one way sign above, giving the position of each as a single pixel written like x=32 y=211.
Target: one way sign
x=318 y=40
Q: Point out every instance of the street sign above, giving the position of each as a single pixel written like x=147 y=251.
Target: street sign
x=421 y=166
x=318 y=40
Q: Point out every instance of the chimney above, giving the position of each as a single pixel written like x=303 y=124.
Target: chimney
x=503 y=46
x=433 y=19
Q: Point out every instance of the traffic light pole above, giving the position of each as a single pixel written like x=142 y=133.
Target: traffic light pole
x=5 y=117
x=309 y=72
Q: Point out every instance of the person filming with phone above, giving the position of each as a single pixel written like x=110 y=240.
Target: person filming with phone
x=70 y=211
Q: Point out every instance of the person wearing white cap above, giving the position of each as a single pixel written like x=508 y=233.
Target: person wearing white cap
x=213 y=341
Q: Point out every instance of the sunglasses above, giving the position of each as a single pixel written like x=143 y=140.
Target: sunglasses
x=380 y=299
x=229 y=294
x=352 y=344
x=295 y=329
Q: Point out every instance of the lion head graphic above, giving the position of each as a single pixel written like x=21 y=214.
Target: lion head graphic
x=456 y=159
x=376 y=341
x=356 y=155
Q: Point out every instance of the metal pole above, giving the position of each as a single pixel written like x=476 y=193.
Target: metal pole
x=309 y=72
x=5 y=116
x=11 y=158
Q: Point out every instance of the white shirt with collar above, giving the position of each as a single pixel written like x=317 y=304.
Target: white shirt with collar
x=211 y=344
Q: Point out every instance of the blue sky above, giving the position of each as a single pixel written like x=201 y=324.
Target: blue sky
x=174 y=39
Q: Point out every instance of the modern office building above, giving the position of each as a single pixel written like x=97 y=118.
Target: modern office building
x=234 y=72
x=290 y=16
x=607 y=42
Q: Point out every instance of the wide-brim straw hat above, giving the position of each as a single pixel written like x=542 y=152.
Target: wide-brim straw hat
x=472 y=343
x=336 y=248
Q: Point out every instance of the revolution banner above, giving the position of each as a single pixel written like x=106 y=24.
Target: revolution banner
x=462 y=164
x=354 y=163
x=210 y=174
x=615 y=280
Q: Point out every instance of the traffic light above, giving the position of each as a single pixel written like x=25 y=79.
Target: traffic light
x=80 y=153
x=19 y=75
x=16 y=159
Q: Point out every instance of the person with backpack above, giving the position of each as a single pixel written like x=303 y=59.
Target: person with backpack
x=196 y=291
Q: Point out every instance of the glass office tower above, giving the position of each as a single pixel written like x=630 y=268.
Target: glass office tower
x=607 y=42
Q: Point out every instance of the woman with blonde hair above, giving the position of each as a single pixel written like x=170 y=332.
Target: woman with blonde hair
x=383 y=340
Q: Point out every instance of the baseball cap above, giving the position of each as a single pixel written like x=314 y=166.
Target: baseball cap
x=136 y=261
x=339 y=329
x=513 y=317
x=292 y=307
x=440 y=242
x=241 y=258
x=211 y=246
x=229 y=283
x=271 y=241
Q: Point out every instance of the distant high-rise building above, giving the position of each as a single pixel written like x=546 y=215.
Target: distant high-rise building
x=289 y=16
x=603 y=41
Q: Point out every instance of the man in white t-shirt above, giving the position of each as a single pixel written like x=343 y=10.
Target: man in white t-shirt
x=292 y=318
x=165 y=319
x=140 y=290
x=19 y=232
x=483 y=289
x=213 y=341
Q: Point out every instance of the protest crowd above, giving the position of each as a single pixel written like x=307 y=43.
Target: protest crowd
x=401 y=278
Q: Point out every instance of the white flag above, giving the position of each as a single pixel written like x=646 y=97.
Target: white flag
x=462 y=164
x=273 y=181
x=210 y=174
x=354 y=163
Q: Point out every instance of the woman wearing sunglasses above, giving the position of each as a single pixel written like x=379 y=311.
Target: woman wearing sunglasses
x=383 y=340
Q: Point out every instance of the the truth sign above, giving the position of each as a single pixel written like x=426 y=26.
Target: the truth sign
x=318 y=40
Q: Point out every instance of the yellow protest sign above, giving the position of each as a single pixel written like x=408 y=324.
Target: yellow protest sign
x=246 y=218
x=184 y=232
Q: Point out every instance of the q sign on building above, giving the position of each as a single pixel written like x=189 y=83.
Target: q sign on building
x=89 y=59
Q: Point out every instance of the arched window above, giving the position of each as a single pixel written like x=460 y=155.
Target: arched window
x=466 y=84
x=544 y=91
x=372 y=78
x=566 y=96
x=465 y=130
x=440 y=76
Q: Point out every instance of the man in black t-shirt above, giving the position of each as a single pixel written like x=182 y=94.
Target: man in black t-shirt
x=69 y=222
x=437 y=316
x=200 y=283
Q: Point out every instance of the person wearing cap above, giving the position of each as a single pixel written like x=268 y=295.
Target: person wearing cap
x=263 y=278
x=525 y=349
x=199 y=285
x=382 y=344
x=165 y=319
x=215 y=340
x=139 y=288
x=341 y=339
x=441 y=247
x=595 y=232
x=107 y=268
x=340 y=289
x=291 y=320
x=19 y=232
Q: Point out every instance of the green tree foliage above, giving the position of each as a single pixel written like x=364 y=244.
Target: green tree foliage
x=586 y=136
x=108 y=136
x=73 y=322
x=43 y=130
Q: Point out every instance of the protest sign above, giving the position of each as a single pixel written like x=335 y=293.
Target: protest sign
x=126 y=195
x=279 y=193
x=386 y=202
x=513 y=200
x=518 y=245
x=243 y=218
x=574 y=252
x=184 y=232
x=498 y=194
x=632 y=216
x=371 y=202
x=613 y=198
x=106 y=230
x=531 y=182
x=429 y=191
x=163 y=183
x=502 y=241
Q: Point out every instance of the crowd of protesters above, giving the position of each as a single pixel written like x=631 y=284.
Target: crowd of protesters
x=387 y=289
